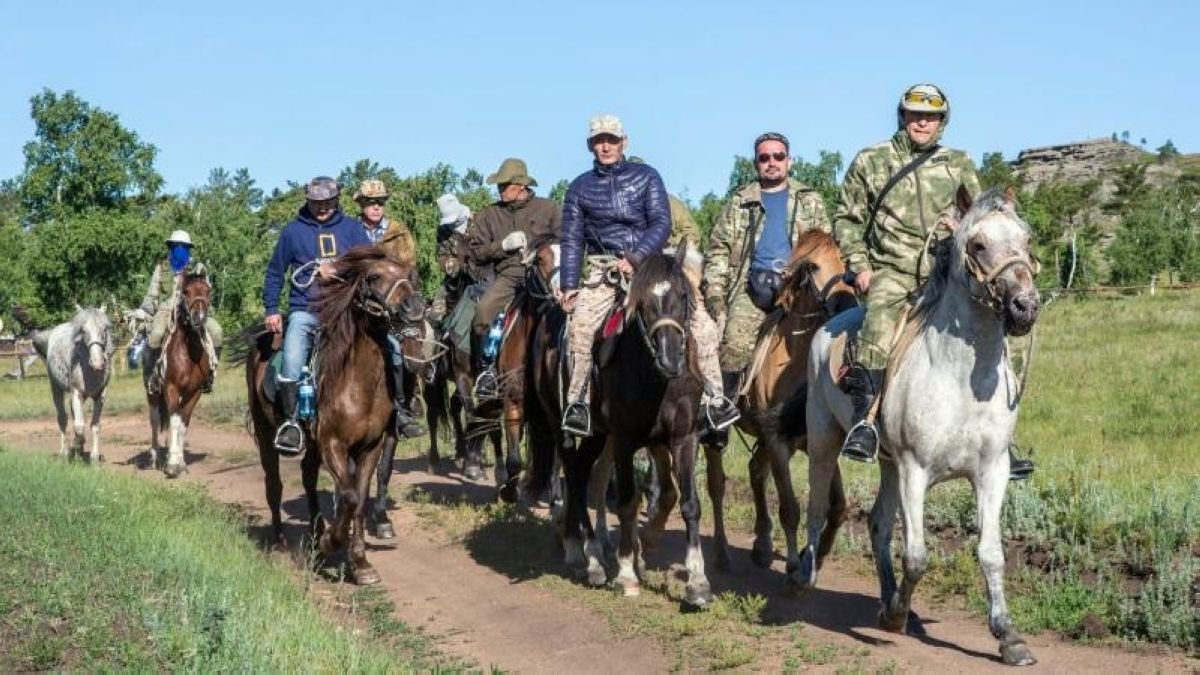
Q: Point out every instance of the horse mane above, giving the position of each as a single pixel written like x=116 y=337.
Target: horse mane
x=809 y=245
x=653 y=270
x=335 y=311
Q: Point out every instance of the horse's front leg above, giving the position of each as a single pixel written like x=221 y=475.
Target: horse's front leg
x=383 y=475
x=762 y=551
x=364 y=470
x=60 y=409
x=334 y=457
x=989 y=499
x=622 y=451
x=506 y=482
x=698 y=593
x=914 y=482
x=77 y=419
x=780 y=456
x=95 y=457
x=668 y=496
x=177 y=434
x=310 y=473
x=476 y=437
x=824 y=447
x=714 y=467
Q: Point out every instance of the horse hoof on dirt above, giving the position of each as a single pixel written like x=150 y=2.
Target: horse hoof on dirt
x=325 y=544
x=366 y=576
x=384 y=531
x=698 y=596
x=508 y=492
x=762 y=556
x=1017 y=654
x=473 y=473
x=597 y=577
x=630 y=588
x=892 y=623
x=174 y=470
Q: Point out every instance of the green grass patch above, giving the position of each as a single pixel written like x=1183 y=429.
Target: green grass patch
x=106 y=572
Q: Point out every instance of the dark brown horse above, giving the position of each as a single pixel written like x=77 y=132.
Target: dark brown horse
x=184 y=371
x=354 y=419
x=453 y=366
x=773 y=405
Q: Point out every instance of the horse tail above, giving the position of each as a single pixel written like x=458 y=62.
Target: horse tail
x=41 y=342
x=245 y=342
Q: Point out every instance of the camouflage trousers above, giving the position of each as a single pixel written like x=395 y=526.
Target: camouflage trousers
x=162 y=319
x=742 y=321
x=591 y=306
x=885 y=301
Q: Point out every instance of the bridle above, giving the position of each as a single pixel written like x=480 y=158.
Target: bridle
x=822 y=294
x=981 y=283
x=194 y=305
x=371 y=304
x=662 y=323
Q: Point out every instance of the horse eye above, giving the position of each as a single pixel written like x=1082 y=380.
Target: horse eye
x=977 y=247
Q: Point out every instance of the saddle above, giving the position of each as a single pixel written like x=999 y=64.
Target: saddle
x=605 y=344
x=270 y=383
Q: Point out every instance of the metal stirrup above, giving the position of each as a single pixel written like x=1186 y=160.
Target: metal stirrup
x=875 y=449
x=282 y=428
x=708 y=408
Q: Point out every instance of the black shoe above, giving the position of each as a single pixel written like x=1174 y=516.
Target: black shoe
x=407 y=426
x=1018 y=469
x=289 y=438
x=862 y=441
x=577 y=420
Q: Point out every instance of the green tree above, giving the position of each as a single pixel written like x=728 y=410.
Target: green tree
x=997 y=173
x=82 y=158
x=559 y=191
x=821 y=176
x=1158 y=236
x=706 y=214
x=743 y=172
x=1064 y=234
x=1167 y=150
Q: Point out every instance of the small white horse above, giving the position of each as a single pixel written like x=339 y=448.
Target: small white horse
x=78 y=357
x=949 y=407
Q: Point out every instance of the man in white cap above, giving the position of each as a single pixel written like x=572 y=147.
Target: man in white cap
x=617 y=214
x=160 y=301
x=451 y=250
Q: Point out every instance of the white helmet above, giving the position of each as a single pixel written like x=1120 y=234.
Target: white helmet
x=180 y=237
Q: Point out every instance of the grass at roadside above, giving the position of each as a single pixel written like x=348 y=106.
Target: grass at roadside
x=105 y=572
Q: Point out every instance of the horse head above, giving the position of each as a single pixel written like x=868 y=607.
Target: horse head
x=195 y=300
x=815 y=278
x=368 y=282
x=991 y=254
x=660 y=302
x=92 y=330
x=542 y=262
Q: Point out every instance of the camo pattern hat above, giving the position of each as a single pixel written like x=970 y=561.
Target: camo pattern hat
x=322 y=188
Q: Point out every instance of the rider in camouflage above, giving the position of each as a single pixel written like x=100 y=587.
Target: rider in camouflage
x=883 y=235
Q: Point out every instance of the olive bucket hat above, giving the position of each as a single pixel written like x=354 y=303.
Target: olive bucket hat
x=512 y=170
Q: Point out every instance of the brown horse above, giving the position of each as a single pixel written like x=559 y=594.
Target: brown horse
x=773 y=402
x=186 y=368
x=366 y=292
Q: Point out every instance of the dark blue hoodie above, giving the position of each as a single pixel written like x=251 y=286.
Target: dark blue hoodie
x=304 y=240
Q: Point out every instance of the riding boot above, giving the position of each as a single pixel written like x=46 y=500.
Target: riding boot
x=1018 y=469
x=716 y=435
x=862 y=441
x=407 y=425
x=289 y=438
x=577 y=420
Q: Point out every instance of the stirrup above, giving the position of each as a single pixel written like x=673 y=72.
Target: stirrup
x=854 y=454
x=727 y=419
x=287 y=450
x=584 y=430
x=486 y=385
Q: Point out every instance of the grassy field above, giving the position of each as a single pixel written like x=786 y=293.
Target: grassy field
x=102 y=572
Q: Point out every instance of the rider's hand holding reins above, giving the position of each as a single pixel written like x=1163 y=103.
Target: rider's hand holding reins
x=566 y=299
x=862 y=281
x=274 y=323
x=624 y=267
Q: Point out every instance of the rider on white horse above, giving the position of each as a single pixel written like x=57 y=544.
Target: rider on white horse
x=162 y=297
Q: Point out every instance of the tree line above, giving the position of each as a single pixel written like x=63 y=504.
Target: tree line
x=85 y=220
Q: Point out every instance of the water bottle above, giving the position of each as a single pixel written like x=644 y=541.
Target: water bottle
x=134 y=355
x=306 y=396
x=492 y=344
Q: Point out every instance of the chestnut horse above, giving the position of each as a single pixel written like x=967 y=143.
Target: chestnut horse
x=772 y=403
x=186 y=367
x=354 y=418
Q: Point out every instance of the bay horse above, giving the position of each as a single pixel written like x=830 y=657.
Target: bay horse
x=354 y=415
x=453 y=366
x=78 y=356
x=185 y=369
x=949 y=406
x=773 y=403
x=647 y=394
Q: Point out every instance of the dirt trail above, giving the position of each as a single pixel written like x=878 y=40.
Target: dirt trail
x=492 y=618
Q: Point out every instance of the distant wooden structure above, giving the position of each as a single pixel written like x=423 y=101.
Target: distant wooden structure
x=20 y=349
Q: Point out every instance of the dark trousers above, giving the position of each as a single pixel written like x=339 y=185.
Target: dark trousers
x=496 y=299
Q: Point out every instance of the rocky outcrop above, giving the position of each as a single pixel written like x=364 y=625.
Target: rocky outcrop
x=1076 y=162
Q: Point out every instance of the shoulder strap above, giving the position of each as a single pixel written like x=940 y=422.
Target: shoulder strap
x=896 y=178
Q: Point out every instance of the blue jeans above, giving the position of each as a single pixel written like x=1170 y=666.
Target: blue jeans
x=394 y=354
x=297 y=343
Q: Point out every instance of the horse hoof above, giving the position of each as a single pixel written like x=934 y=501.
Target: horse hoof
x=384 y=531
x=508 y=493
x=325 y=544
x=366 y=576
x=630 y=588
x=473 y=473
x=1017 y=654
x=762 y=557
x=174 y=470
x=597 y=577
x=698 y=596
x=892 y=623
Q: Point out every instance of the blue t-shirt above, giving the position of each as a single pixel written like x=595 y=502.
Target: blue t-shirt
x=774 y=246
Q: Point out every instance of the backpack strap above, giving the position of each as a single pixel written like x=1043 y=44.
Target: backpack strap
x=896 y=178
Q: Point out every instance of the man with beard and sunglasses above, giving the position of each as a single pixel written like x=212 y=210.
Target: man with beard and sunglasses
x=895 y=197
x=749 y=248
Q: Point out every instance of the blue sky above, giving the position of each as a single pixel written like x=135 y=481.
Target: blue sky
x=291 y=90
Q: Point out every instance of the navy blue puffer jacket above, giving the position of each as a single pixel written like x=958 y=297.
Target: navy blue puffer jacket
x=620 y=209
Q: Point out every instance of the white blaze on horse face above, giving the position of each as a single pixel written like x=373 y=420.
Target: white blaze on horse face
x=661 y=289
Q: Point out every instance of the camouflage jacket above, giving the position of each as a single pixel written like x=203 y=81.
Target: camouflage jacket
x=162 y=284
x=727 y=261
x=683 y=225
x=909 y=210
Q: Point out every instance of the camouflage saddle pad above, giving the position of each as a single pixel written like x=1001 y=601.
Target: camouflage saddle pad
x=457 y=325
x=275 y=366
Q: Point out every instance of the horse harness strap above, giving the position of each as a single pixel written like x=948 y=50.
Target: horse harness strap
x=986 y=279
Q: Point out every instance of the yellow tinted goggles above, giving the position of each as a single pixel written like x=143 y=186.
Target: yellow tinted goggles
x=921 y=97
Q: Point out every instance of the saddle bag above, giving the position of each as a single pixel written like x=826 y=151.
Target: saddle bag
x=763 y=286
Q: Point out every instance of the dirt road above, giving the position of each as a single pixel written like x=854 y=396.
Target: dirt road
x=489 y=615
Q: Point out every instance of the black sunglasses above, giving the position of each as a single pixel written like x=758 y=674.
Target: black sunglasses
x=764 y=157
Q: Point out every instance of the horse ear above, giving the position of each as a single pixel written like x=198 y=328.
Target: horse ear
x=104 y=308
x=963 y=200
x=78 y=308
x=692 y=260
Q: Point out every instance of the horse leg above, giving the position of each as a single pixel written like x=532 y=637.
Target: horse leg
x=77 y=419
x=668 y=496
x=264 y=433
x=989 y=499
x=383 y=474
x=175 y=437
x=824 y=446
x=837 y=516
x=597 y=491
x=594 y=547
x=780 y=456
x=881 y=523
x=622 y=451
x=336 y=461
x=364 y=470
x=714 y=467
x=310 y=470
x=912 y=486
x=507 y=481
x=473 y=461
x=697 y=593
x=762 y=552
x=60 y=409
x=95 y=455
